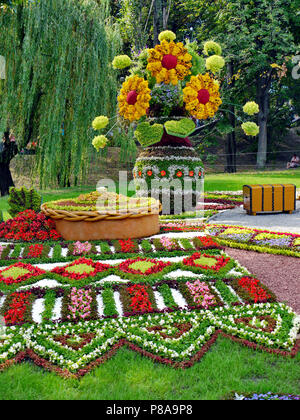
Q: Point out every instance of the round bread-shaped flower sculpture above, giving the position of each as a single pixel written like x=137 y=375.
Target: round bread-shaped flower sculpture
x=202 y=96
x=134 y=98
x=169 y=62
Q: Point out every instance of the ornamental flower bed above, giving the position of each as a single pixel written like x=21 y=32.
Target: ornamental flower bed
x=177 y=339
x=162 y=311
x=257 y=240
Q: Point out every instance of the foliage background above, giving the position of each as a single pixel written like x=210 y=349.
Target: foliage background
x=59 y=76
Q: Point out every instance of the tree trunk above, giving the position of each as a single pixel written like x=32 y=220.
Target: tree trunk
x=8 y=151
x=157 y=20
x=231 y=137
x=161 y=13
x=263 y=94
x=6 y=180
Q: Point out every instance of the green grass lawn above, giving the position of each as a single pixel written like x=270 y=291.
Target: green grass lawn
x=128 y=376
x=213 y=182
x=235 y=182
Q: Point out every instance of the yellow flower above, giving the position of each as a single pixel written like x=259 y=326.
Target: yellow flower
x=211 y=47
x=169 y=62
x=202 y=96
x=134 y=98
x=276 y=66
x=250 y=129
x=215 y=63
x=120 y=62
x=99 y=142
x=100 y=122
x=251 y=108
x=167 y=35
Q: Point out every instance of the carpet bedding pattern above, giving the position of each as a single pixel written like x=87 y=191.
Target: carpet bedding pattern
x=70 y=306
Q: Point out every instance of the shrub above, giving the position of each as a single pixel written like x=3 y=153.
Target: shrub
x=22 y=199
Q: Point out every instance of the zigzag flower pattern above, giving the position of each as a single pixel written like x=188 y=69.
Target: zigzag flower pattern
x=169 y=300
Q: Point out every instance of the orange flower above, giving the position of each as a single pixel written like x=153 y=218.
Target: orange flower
x=134 y=98
x=202 y=97
x=169 y=62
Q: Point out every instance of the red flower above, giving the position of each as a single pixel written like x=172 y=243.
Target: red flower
x=179 y=174
x=127 y=246
x=28 y=226
x=139 y=298
x=163 y=173
x=17 y=308
x=192 y=173
x=252 y=287
x=35 y=251
x=149 y=173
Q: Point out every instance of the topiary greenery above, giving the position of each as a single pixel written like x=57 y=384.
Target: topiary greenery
x=148 y=134
x=181 y=128
x=22 y=199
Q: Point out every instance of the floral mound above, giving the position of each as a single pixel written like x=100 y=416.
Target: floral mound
x=29 y=226
x=166 y=298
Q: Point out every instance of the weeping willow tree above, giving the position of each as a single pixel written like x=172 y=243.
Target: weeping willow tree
x=58 y=77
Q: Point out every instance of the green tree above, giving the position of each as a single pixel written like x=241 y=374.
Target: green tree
x=258 y=35
x=59 y=76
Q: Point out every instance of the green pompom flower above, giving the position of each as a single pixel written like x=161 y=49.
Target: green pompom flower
x=250 y=129
x=99 y=142
x=251 y=108
x=121 y=62
x=100 y=122
x=167 y=36
x=212 y=47
x=215 y=63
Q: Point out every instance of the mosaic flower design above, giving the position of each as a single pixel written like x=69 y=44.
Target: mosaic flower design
x=81 y=269
x=19 y=273
x=143 y=266
x=206 y=262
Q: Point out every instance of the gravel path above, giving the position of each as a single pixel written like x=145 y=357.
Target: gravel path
x=280 y=222
x=280 y=273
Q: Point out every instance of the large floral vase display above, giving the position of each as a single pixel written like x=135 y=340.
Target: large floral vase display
x=170 y=163
x=170 y=91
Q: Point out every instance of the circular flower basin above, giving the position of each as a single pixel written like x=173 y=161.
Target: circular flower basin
x=93 y=217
